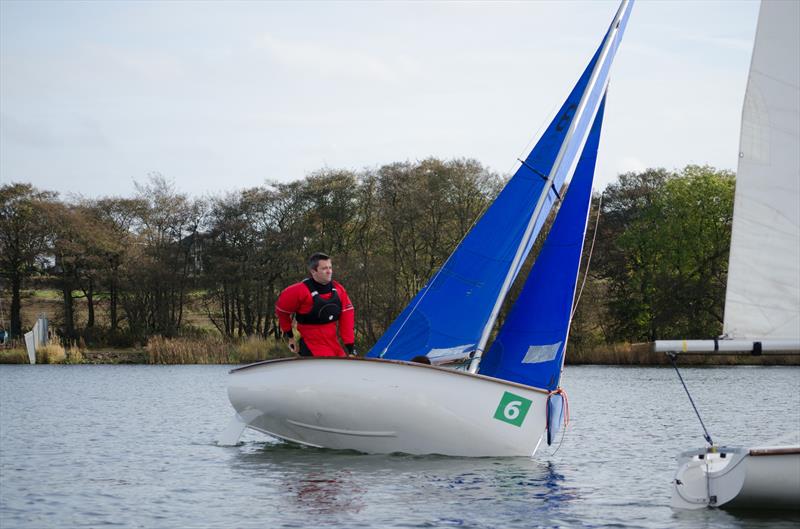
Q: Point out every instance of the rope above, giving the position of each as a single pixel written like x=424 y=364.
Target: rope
x=588 y=258
x=672 y=357
x=561 y=442
x=563 y=394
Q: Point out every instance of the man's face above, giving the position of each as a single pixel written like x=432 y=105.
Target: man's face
x=324 y=272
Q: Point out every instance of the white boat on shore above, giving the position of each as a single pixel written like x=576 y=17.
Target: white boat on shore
x=762 y=305
x=509 y=398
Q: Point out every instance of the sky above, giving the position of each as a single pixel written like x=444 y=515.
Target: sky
x=218 y=97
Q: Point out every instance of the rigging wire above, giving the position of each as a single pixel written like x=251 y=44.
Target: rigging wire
x=526 y=150
x=672 y=357
x=561 y=442
x=588 y=258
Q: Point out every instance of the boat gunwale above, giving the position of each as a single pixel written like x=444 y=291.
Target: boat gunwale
x=396 y=362
x=783 y=450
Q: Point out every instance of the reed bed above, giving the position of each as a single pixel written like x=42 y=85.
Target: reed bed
x=74 y=355
x=216 y=350
x=13 y=356
x=162 y=350
x=257 y=348
x=207 y=350
x=51 y=353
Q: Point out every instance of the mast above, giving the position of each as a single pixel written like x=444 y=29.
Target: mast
x=556 y=167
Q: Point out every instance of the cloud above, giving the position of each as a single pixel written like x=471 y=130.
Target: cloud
x=140 y=64
x=733 y=43
x=16 y=131
x=330 y=61
x=629 y=164
x=68 y=132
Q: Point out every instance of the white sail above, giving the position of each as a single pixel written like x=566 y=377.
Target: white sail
x=763 y=293
x=762 y=304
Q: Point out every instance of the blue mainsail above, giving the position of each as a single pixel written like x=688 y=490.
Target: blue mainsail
x=448 y=315
x=529 y=348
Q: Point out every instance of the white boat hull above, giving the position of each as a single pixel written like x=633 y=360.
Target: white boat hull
x=384 y=406
x=738 y=478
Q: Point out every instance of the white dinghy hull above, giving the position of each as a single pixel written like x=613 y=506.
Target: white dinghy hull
x=384 y=406
x=738 y=478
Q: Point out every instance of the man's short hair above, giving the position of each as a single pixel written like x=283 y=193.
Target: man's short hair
x=314 y=260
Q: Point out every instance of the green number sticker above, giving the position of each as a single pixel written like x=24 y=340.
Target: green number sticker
x=512 y=409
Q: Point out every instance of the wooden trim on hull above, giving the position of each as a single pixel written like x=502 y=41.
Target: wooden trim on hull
x=775 y=451
x=381 y=360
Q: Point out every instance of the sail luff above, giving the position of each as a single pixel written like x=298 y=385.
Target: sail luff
x=617 y=26
x=763 y=290
x=530 y=346
x=599 y=117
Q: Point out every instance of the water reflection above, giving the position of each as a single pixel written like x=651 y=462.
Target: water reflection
x=713 y=518
x=326 y=492
x=56 y=470
x=331 y=482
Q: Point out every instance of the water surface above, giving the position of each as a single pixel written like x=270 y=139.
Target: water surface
x=135 y=446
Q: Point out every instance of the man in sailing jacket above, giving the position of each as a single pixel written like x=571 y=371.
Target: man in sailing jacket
x=317 y=303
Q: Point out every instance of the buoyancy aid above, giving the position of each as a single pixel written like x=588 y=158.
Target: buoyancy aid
x=323 y=310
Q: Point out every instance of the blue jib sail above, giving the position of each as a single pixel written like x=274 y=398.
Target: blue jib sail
x=529 y=348
x=447 y=316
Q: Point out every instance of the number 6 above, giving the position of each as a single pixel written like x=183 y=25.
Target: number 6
x=511 y=411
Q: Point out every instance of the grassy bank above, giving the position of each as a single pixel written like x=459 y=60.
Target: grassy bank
x=158 y=351
x=218 y=351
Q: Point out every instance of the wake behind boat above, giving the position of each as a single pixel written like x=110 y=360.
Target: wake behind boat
x=510 y=397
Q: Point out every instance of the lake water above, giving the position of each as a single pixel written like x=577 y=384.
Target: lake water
x=135 y=446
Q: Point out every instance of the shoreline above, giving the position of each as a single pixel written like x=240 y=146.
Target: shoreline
x=607 y=357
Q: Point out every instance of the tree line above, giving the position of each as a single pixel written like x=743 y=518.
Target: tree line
x=157 y=263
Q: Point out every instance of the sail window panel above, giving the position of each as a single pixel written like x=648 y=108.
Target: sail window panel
x=449 y=354
x=537 y=354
